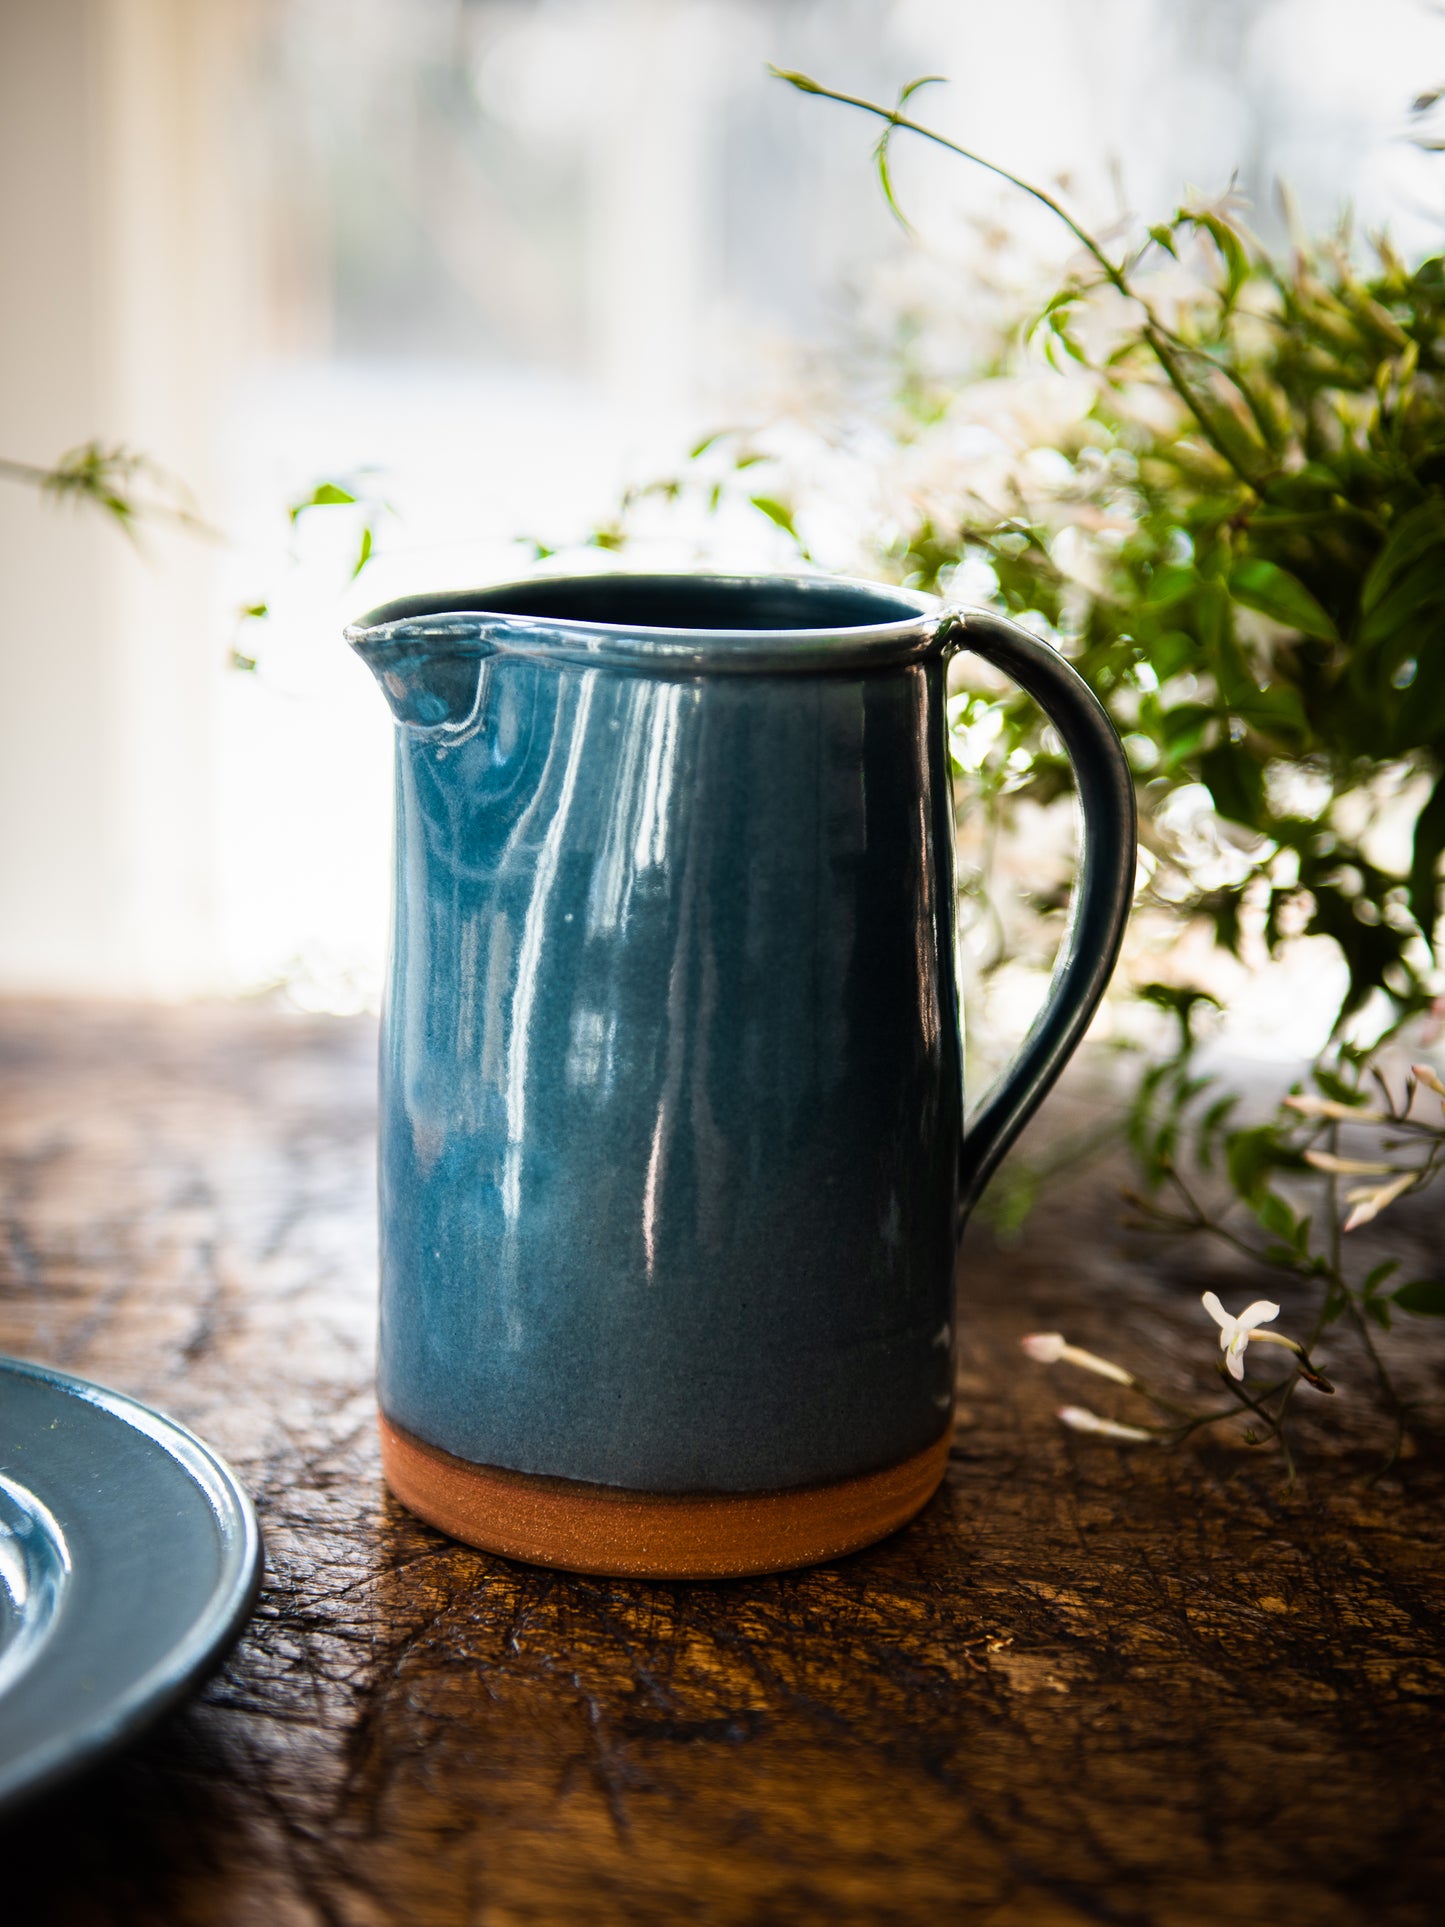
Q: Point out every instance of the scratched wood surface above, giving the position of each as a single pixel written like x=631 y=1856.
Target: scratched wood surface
x=1088 y=1684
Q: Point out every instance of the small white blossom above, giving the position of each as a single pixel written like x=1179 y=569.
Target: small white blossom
x=1346 y=1167
x=1081 y=1420
x=1370 y=1200
x=1045 y=1348
x=1235 y=1333
x=1052 y=1348
x=1423 y=1074
x=1327 y=1107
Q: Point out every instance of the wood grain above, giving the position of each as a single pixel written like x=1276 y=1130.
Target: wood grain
x=1087 y=1684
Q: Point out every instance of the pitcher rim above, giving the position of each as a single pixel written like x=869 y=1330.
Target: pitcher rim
x=461 y=620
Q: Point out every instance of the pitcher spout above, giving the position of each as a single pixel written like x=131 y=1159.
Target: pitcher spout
x=431 y=671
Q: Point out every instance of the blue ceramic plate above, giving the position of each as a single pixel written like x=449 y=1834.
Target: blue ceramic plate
x=129 y=1561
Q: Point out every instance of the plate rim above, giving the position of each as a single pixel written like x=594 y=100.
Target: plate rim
x=188 y=1661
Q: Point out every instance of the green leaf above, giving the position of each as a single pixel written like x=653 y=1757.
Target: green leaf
x=1429 y=845
x=1276 y=711
x=1275 y=593
x=253 y=611
x=1184 y=720
x=885 y=179
x=1067 y=296
x=1414 y=536
x=776 y=511
x=1377 y=1277
x=1405 y=588
x=1424 y=1296
x=1232 y=251
x=1170 y=585
x=1236 y=782
x=1219 y=1113
x=907 y=92
x=881 y=146
x=1335 y=1087
x=1163 y=237
x=1249 y=1157
x=1409 y=611
x=802 y=82
x=1214 y=625
x=1275 y=1215
x=324 y=495
x=1182 y=1001
x=1048 y=318
x=363 y=553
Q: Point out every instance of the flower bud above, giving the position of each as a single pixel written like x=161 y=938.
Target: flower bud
x=1047 y=1348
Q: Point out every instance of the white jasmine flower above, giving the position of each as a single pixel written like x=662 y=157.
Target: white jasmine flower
x=1423 y=1074
x=1081 y=1420
x=1046 y=1348
x=1327 y=1107
x=1236 y=1333
x=1052 y=1348
x=1346 y=1167
x=1369 y=1201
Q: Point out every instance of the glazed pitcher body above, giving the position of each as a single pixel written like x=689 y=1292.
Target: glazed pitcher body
x=671 y=1144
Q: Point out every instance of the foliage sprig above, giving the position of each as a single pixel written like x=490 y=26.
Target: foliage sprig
x=1254 y=576
x=1243 y=550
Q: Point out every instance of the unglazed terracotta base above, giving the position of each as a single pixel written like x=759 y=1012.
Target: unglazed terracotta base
x=653 y=1535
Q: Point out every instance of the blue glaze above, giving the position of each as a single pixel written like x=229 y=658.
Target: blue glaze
x=672 y=1164
x=130 y=1559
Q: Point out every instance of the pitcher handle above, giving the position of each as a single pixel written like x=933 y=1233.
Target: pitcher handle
x=1102 y=894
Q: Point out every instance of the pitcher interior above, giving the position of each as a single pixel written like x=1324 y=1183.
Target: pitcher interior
x=715 y=604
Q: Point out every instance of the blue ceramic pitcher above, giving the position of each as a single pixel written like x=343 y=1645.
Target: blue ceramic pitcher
x=673 y=1159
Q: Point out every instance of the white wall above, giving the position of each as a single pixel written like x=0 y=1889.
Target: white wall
x=117 y=316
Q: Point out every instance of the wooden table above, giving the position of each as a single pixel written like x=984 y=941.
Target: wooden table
x=1089 y=1684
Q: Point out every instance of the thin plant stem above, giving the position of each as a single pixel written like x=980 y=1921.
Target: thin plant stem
x=1200 y=1220
x=1275 y=1425
x=28 y=472
x=1399 y=1410
x=1332 y=1194
x=124 y=508
x=1153 y=330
